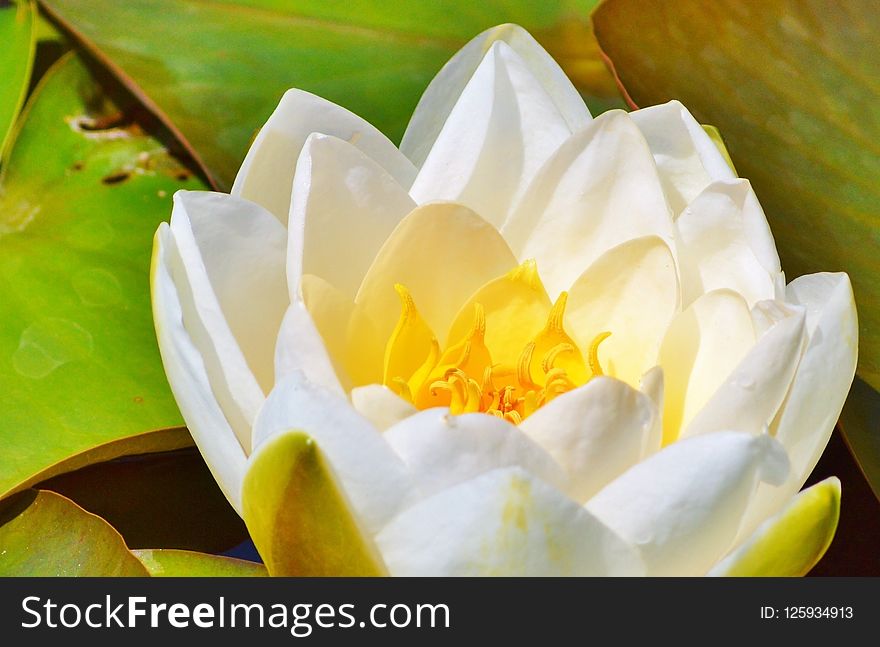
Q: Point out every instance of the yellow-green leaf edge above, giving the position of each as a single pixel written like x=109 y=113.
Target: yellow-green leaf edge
x=186 y=563
x=792 y=542
x=17 y=34
x=43 y=534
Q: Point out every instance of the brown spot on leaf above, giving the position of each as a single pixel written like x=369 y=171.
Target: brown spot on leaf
x=104 y=122
x=138 y=399
x=116 y=125
x=116 y=178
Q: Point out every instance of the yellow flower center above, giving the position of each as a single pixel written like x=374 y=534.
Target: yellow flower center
x=464 y=376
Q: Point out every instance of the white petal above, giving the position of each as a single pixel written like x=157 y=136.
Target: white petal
x=300 y=347
x=631 y=291
x=714 y=249
x=757 y=232
x=372 y=475
x=442 y=450
x=598 y=190
x=226 y=258
x=820 y=385
x=344 y=207
x=380 y=405
x=751 y=395
x=186 y=373
x=442 y=252
x=766 y=314
x=502 y=128
x=702 y=346
x=682 y=506
x=596 y=432
x=266 y=175
x=445 y=89
x=502 y=523
x=242 y=250
x=651 y=385
x=686 y=156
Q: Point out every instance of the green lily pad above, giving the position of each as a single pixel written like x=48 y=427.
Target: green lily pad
x=299 y=518
x=167 y=500
x=860 y=423
x=166 y=439
x=218 y=69
x=42 y=534
x=183 y=563
x=16 y=59
x=794 y=86
x=82 y=192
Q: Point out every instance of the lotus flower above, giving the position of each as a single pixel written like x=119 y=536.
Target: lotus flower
x=526 y=342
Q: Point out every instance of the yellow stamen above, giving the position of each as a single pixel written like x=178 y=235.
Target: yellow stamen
x=464 y=377
x=593 y=355
x=410 y=344
x=524 y=365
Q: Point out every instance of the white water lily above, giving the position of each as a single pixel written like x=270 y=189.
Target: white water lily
x=526 y=342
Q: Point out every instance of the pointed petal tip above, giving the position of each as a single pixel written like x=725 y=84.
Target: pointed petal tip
x=299 y=515
x=791 y=542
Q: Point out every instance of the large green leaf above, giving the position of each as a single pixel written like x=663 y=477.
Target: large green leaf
x=164 y=439
x=82 y=192
x=167 y=500
x=43 y=534
x=860 y=422
x=16 y=59
x=217 y=69
x=183 y=563
x=794 y=86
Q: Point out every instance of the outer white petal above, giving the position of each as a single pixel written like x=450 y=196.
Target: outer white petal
x=266 y=175
x=600 y=189
x=369 y=470
x=702 y=347
x=820 y=385
x=189 y=380
x=380 y=405
x=686 y=156
x=444 y=91
x=226 y=257
x=714 y=247
x=300 y=347
x=344 y=207
x=502 y=128
x=596 y=432
x=442 y=450
x=751 y=395
x=615 y=294
x=682 y=506
x=503 y=523
x=757 y=231
x=242 y=250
